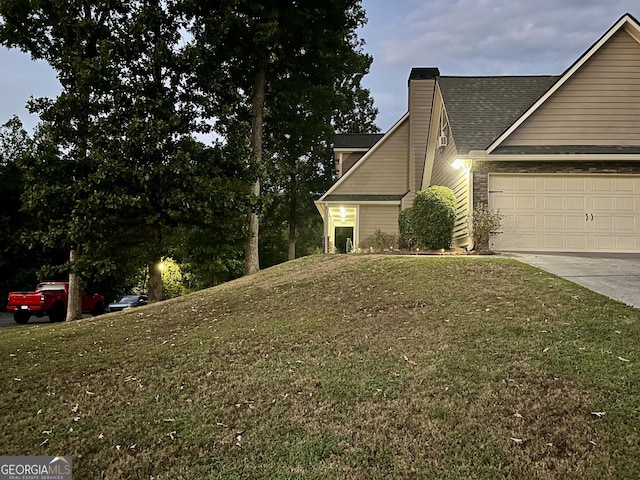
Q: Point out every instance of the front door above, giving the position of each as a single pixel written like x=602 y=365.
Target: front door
x=344 y=239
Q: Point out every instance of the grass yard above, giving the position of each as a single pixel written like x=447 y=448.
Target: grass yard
x=338 y=367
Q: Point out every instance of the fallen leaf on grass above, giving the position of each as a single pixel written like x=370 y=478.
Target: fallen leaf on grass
x=410 y=362
x=623 y=359
x=517 y=415
x=593 y=443
x=172 y=435
x=44 y=442
x=101 y=436
x=517 y=440
x=75 y=408
x=599 y=414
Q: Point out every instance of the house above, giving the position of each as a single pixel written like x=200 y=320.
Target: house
x=558 y=156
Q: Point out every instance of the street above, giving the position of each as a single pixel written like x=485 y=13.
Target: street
x=6 y=320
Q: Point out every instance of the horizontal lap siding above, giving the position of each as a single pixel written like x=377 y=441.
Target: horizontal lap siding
x=349 y=160
x=458 y=181
x=420 y=103
x=598 y=105
x=378 y=217
x=384 y=172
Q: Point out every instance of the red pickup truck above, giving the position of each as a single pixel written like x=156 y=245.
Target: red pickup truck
x=50 y=298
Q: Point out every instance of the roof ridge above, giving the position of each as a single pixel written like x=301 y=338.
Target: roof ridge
x=500 y=76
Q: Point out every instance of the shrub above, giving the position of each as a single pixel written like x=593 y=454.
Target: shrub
x=434 y=216
x=483 y=223
x=407 y=238
x=379 y=242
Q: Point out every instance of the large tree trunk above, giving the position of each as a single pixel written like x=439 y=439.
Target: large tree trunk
x=155 y=281
x=292 y=242
x=74 y=301
x=154 y=286
x=251 y=258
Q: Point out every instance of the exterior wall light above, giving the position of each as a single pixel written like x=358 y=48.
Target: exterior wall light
x=459 y=163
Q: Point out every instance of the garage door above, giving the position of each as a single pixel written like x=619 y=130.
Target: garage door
x=567 y=213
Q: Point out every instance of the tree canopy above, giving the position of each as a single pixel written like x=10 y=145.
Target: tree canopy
x=119 y=171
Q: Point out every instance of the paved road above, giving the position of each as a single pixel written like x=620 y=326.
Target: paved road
x=615 y=275
x=6 y=320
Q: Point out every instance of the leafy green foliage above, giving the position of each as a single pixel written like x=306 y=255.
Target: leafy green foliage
x=433 y=218
x=379 y=242
x=483 y=223
x=405 y=223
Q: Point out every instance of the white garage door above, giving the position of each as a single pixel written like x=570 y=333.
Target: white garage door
x=567 y=213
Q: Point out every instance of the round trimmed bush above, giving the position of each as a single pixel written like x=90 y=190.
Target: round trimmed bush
x=434 y=217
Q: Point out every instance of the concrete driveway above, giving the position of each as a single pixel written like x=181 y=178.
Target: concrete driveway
x=615 y=275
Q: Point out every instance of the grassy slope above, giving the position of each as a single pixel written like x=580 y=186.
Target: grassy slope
x=338 y=367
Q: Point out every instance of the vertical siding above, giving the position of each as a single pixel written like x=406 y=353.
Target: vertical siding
x=384 y=172
x=374 y=217
x=598 y=105
x=421 y=93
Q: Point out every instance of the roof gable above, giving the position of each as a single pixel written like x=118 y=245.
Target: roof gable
x=336 y=188
x=626 y=24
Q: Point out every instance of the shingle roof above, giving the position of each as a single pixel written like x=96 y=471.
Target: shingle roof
x=481 y=108
x=356 y=140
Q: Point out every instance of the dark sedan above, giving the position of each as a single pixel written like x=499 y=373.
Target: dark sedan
x=128 y=301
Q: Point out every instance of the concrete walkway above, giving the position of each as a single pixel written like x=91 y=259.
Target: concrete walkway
x=615 y=275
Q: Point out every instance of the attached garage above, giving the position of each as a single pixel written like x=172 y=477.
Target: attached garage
x=567 y=213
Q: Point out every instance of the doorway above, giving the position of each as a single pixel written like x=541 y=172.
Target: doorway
x=344 y=239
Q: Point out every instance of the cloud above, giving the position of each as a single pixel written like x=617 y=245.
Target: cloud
x=489 y=37
x=478 y=37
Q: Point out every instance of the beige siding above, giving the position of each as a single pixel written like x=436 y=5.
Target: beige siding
x=349 y=159
x=598 y=105
x=458 y=181
x=374 y=217
x=421 y=93
x=384 y=171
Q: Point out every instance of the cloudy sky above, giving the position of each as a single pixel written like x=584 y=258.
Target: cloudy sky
x=460 y=37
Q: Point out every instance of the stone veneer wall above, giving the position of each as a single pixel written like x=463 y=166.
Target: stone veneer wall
x=482 y=169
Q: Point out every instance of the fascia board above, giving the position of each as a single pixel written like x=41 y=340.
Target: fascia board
x=625 y=21
x=563 y=157
x=364 y=158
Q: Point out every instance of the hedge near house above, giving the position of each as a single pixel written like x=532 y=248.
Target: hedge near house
x=406 y=238
x=433 y=217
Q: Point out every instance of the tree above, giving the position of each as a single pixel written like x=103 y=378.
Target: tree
x=117 y=150
x=254 y=45
x=73 y=37
x=17 y=265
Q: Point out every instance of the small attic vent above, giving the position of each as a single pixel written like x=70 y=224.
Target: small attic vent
x=442 y=141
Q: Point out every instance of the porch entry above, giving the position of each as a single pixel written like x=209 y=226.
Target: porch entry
x=342 y=231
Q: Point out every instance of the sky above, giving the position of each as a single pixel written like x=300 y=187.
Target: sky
x=460 y=37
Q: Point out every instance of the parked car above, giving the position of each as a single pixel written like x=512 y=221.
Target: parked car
x=128 y=301
x=50 y=298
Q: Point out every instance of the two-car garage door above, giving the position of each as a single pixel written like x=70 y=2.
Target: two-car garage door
x=567 y=213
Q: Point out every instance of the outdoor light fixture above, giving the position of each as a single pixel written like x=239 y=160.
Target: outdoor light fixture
x=343 y=214
x=459 y=163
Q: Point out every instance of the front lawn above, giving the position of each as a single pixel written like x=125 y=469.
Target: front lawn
x=338 y=367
